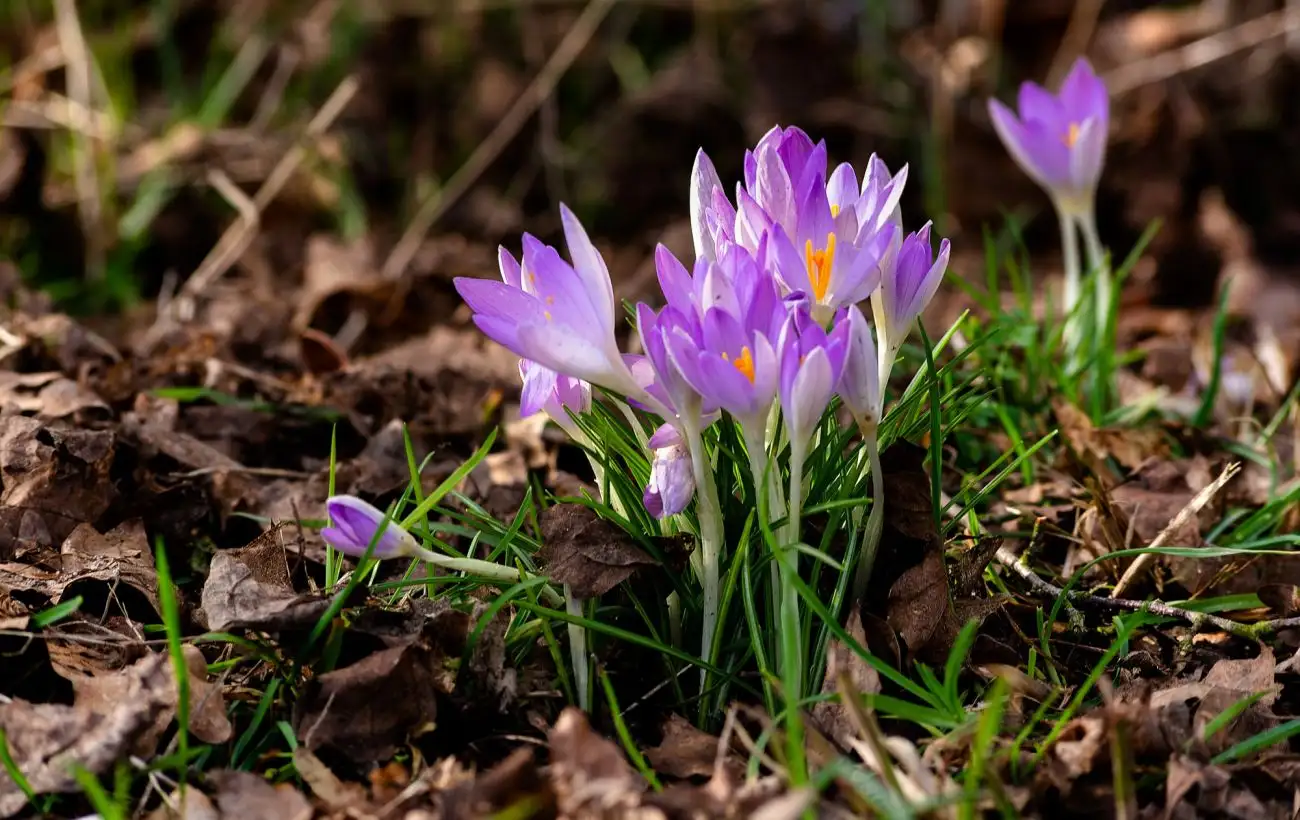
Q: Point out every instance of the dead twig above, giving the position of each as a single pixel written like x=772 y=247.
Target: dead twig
x=1199 y=620
x=1144 y=561
x=1202 y=52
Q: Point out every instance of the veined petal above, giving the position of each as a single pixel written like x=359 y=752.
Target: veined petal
x=590 y=267
x=509 y=268
x=860 y=384
x=774 y=190
x=354 y=525
x=488 y=297
x=538 y=389
x=674 y=280
x=704 y=181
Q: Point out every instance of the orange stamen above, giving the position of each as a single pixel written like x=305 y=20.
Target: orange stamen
x=744 y=363
x=1071 y=136
x=819 y=266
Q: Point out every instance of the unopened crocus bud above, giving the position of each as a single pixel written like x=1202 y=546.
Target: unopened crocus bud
x=353 y=524
x=672 y=482
x=860 y=384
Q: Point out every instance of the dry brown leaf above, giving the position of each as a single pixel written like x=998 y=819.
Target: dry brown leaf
x=589 y=774
x=248 y=795
x=249 y=588
x=587 y=552
x=686 y=751
x=51 y=480
x=48 y=741
x=367 y=710
x=46 y=395
x=1128 y=446
x=864 y=679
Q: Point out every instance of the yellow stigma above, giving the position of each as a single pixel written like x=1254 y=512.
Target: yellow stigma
x=819 y=266
x=1071 y=136
x=744 y=363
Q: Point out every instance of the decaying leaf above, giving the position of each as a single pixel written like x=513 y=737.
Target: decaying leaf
x=514 y=781
x=686 y=751
x=326 y=785
x=245 y=794
x=1130 y=447
x=587 y=552
x=46 y=395
x=842 y=659
x=48 y=740
x=367 y=710
x=249 y=588
x=589 y=774
x=51 y=480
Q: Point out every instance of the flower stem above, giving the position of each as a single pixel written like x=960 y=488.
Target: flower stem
x=876 y=521
x=1096 y=254
x=791 y=658
x=1070 y=256
x=755 y=444
x=711 y=535
x=578 y=649
x=483 y=569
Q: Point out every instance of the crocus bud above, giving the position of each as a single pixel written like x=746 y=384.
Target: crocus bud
x=353 y=524
x=860 y=384
x=672 y=482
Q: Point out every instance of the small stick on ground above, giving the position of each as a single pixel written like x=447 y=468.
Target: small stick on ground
x=1144 y=561
x=1047 y=590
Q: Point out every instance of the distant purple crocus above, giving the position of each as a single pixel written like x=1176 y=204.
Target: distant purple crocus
x=558 y=315
x=860 y=383
x=672 y=481
x=353 y=524
x=812 y=365
x=1059 y=139
x=907 y=287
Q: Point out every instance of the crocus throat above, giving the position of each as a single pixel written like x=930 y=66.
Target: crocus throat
x=819 y=266
x=1071 y=135
x=744 y=363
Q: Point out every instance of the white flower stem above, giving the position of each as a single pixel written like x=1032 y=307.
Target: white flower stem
x=578 y=650
x=755 y=437
x=876 y=521
x=1070 y=257
x=791 y=657
x=483 y=569
x=711 y=533
x=1096 y=254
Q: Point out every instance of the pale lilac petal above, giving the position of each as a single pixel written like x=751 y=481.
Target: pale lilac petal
x=488 y=297
x=796 y=150
x=665 y=436
x=539 y=387
x=704 y=181
x=590 y=266
x=1083 y=94
x=674 y=280
x=860 y=384
x=560 y=348
x=774 y=190
x=1037 y=104
x=1088 y=155
x=672 y=482
x=509 y=268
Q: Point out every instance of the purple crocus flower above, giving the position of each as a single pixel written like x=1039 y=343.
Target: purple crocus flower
x=556 y=314
x=907 y=287
x=1059 y=139
x=546 y=391
x=353 y=524
x=860 y=384
x=822 y=246
x=672 y=481
x=812 y=366
x=724 y=351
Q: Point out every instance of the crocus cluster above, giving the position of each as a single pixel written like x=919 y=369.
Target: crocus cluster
x=766 y=317
x=767 y=311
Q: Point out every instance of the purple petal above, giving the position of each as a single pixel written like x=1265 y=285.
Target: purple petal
x=842 y=189
x=590 y=266
x=704 y=181
x=539 y=387
x=354 y=524
x=674 y=279
x=860 y=384
x=487 y=297
x=509 y=268
x=1037 y=104
x=1088 y=155
x=774 y=190
x=666 y=436
x=1083 y=94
